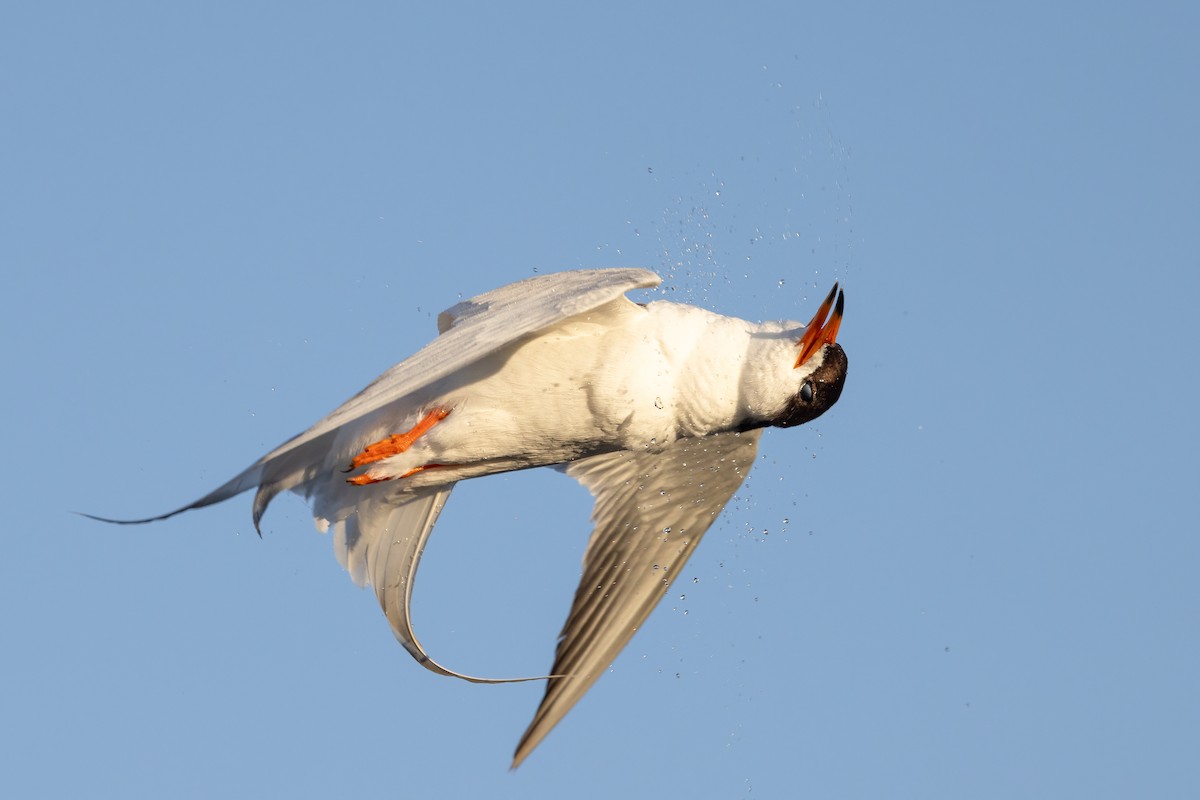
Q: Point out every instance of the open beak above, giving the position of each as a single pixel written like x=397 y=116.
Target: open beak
x=822 y=331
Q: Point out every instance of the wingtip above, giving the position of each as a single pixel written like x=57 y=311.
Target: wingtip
x=519 y=755
x=112 y=521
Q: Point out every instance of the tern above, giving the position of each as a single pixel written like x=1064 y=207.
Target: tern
x=656 y=408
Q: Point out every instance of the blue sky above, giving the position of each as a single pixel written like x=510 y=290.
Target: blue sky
x=975 y=577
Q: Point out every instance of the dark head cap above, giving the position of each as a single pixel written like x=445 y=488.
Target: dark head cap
x=819 y=391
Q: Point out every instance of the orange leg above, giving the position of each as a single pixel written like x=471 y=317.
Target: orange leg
x=397 y=443
x=366 y=480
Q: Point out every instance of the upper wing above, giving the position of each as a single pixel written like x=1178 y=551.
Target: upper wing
x=651 y=510
x=470 y=331
x=478 y=327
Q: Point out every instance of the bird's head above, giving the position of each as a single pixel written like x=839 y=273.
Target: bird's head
x=820 y=369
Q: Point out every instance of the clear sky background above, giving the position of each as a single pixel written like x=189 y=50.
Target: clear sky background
x=975 y=577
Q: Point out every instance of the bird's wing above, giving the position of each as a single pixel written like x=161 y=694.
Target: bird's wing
x=650 y=512
x=470 y=331
x=381 y=542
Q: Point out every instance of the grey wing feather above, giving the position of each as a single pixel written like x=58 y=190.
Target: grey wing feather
x=470 y=330
x=650 y=512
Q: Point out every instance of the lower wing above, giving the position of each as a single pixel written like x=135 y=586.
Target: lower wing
x=650 y=512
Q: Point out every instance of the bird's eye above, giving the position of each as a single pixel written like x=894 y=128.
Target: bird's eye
x=806 y=392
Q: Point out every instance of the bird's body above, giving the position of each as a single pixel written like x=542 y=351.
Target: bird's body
x=656 y=408
x=628 y=387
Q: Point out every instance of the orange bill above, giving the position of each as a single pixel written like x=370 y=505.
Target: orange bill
x=821 y=331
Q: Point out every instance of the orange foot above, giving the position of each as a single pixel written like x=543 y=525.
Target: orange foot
x=396 y=444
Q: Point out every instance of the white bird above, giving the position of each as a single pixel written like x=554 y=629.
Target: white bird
x=657 y=409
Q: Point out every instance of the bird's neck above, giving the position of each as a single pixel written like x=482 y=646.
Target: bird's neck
x=738 y=376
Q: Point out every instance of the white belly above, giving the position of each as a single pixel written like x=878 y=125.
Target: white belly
x=584 y=387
